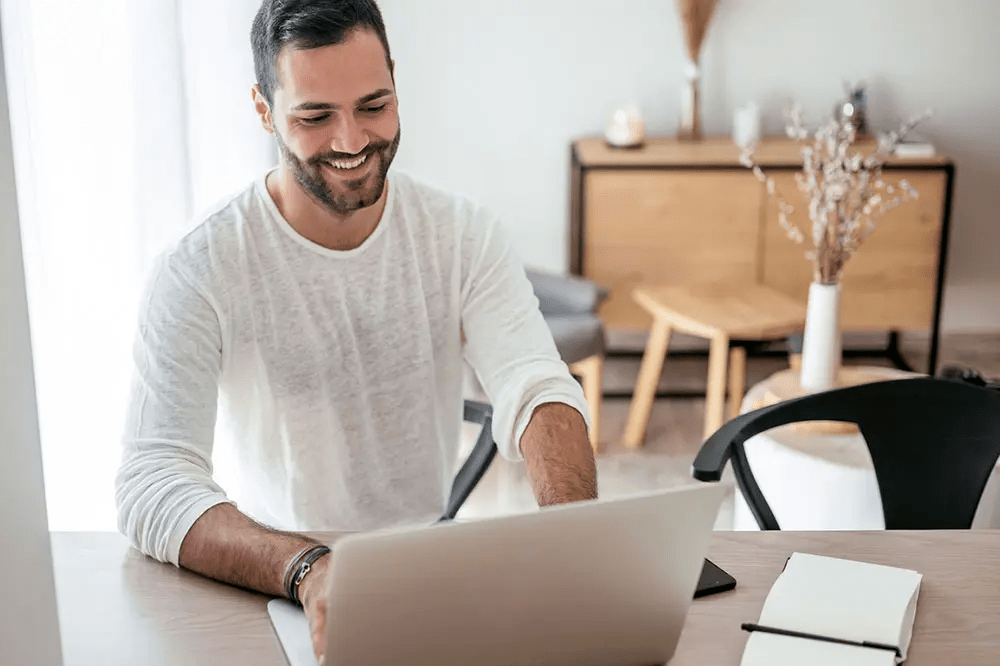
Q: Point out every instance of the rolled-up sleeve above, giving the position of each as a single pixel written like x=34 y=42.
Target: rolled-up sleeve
x=507 y=341
x=165 y=480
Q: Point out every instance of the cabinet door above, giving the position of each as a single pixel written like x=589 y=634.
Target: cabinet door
x=668 y=227
x=890 y=282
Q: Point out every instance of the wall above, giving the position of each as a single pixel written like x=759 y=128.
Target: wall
x=29 y=631
x=491 y=94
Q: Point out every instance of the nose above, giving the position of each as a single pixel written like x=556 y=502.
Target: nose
x=348 y=136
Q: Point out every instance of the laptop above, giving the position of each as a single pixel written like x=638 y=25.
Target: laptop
x=602 y=583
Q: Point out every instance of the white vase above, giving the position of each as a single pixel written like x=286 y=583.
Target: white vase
x=821 y=342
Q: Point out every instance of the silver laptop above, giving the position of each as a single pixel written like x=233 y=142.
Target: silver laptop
x=606 y=583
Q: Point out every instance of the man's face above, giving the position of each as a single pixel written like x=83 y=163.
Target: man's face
x=336 y=120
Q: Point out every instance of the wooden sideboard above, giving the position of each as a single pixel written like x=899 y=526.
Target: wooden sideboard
x=680 y=212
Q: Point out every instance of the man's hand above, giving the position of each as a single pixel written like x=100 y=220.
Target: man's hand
x=314 y=593
x=226 y=545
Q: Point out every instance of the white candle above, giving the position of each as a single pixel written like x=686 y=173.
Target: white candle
x=746 y=125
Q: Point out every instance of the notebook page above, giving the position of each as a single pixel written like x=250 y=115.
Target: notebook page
x=839 y=598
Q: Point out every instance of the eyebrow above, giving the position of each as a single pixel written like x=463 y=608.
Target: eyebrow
x=320 y=106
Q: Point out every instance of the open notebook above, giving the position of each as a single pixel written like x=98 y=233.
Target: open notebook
x=838 y=599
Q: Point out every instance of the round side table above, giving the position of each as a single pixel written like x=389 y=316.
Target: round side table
x=820 y=476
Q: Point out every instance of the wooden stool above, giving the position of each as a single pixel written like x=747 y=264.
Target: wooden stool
x=721 y=314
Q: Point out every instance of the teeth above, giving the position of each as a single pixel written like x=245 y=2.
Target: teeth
x=353 y=164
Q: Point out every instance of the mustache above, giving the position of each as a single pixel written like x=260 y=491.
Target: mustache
x=370 y=149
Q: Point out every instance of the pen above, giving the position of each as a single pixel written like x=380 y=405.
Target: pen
x=748 y=626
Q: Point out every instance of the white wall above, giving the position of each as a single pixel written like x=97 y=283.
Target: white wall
x=29 y=631
x=491 y=94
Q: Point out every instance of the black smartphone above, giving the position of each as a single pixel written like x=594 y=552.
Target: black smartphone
x=713 y=579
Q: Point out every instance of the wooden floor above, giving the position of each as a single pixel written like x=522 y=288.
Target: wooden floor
x=675 y=427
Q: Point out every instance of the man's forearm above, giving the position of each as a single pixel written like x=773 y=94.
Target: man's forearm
x=558 y=455
x=226 y=545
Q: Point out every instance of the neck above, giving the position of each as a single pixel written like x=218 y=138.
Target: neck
x=316 y=222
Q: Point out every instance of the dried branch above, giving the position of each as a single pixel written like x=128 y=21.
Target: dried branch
x=843 y=188
x=695 y=17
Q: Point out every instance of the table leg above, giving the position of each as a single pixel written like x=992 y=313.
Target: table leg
x=591 y=370
x=645 y=386
x=715 y=396
x=737 y=379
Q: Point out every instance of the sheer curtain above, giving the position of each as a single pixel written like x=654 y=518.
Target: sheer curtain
x=129 y=119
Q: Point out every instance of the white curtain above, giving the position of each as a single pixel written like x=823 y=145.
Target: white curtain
x=129 y=118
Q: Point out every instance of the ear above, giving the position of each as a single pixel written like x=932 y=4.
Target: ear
x=263 y=109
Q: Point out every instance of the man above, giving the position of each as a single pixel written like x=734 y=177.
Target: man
x=327 y=310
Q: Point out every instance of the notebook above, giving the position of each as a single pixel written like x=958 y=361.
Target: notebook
x=869 y=605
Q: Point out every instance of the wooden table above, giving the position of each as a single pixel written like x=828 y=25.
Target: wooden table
x=119 y=607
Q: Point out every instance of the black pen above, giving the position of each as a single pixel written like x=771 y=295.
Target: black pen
x=748 y=626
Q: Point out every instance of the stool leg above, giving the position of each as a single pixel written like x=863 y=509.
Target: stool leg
x=737 y=379
x=591 y=372
x=715 y=396
x=645 y=385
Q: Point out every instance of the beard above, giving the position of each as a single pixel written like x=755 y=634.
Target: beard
x=351 y=195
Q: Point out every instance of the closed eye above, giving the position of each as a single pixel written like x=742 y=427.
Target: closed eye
x=315 y=120
x=374 y=109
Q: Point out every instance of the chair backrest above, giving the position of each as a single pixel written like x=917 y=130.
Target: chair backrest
x=933 y=443
x=477 y=463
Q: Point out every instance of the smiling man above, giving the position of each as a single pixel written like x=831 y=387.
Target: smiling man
x=322 y=318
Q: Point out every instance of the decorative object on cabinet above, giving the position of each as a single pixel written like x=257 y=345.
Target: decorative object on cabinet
x=681 y=213
x=853 y=109
x=746 y=125
x=695 y=16
x=625 y=129
x=846 y=193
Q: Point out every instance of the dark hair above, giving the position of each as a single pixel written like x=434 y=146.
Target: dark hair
x=307 y=24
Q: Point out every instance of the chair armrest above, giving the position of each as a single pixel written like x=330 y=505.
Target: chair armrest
x=726 y=444
x=718 y=449
x=566 y=294
x=477 y=463
x=476 y=412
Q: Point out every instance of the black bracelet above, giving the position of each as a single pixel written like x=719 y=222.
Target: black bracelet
x=286 y=580
x=303 y=565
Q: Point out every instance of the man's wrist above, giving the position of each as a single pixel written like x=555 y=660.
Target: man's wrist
x=299 y=568
x=315 y=576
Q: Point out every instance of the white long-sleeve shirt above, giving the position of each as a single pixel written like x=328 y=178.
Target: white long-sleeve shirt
x=336 y=374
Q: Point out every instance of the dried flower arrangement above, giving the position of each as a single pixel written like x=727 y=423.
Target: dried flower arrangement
x=695 y=16
x=844 y=188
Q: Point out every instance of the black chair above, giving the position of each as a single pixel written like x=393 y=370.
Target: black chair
x=477 y=463
x=933 y=443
